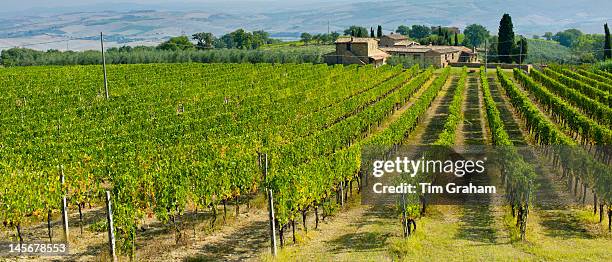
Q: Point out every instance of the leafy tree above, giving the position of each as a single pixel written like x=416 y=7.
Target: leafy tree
x=584 y=46
x=242 y=38
x=125 y=48
x=475 y=35
x=568 y=37
x=548 y=36
x=334 y=36
x=403 y=30
x=379 y=32
x=176 y=43
x=261 y=38
x=317 y=38
x=419 y=31
x=607 y=45
x=205 y=40
x=492 y=50
x=145 y=54
x=430 y=39
x=306 y=38
x=521 y=50
x=506 y=44
x=226 y=41
x=535 y=37
x=356 y=31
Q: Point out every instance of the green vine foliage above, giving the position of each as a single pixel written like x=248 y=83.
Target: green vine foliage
x=573 y=159
x=592 y=108
x=591 y=81
x=589 y=130
x=171 y=135
x=518 y=175
x=455 y=114
x=597 y=94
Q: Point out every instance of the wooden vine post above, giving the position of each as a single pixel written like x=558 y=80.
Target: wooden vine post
x=404 y=217
x=64 y=205
x=111 y=231
x=272 y=225
x=270 y=207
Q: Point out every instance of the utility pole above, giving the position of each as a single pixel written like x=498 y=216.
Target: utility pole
x=104 y=64
x=328 y=27
x=486 y=55
x=521 y=53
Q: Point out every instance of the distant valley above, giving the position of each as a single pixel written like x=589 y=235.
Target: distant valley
x=79 y=30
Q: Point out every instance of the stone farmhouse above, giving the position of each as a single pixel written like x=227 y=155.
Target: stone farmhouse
x=353 y=50
x=357 y=50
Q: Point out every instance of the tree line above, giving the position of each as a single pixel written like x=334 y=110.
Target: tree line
x=589 y=48
x=308 y=38
x=146 y=55
x=239 y=39
x=419 y=33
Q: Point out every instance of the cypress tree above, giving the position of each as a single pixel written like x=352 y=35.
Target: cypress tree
x=446 y=38
x=456 y=40
x=379 y=32
x=607 y=44
x=505 y=39
x=440 y=36
x=371 y=32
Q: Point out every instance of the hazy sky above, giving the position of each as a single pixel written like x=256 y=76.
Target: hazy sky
x=21 y=5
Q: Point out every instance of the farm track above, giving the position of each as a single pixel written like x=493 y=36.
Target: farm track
x=480 y=218
x=432 y=122
x=473 y=130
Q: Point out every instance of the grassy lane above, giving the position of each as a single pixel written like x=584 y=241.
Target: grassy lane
x=471 y=232
x=433 y=120
x=473 y=129
x=479 y=222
